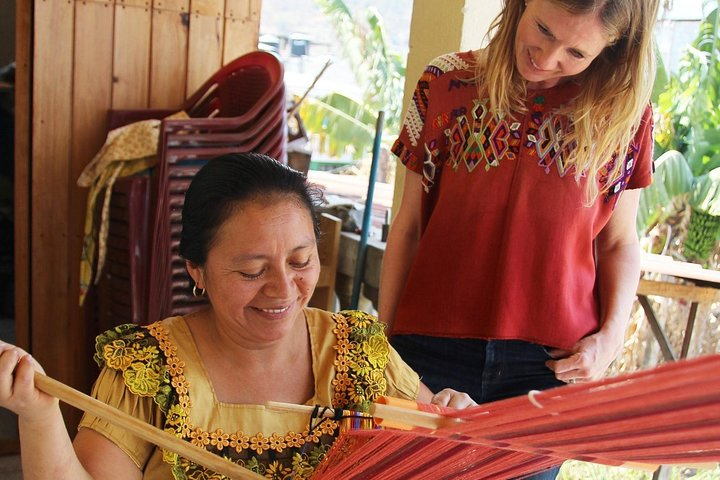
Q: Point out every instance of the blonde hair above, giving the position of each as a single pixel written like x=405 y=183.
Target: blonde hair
x=616 y=87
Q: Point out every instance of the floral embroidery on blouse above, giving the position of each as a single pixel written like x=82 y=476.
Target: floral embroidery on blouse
x=362 y=353
x=127 y=348
x=151 y=368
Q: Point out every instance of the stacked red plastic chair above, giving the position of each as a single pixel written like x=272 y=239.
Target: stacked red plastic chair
x=241 y=108
x=122 y=290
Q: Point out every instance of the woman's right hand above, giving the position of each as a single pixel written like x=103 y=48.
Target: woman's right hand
x=17 y=384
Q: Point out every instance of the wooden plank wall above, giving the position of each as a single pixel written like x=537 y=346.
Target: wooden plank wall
x=23 y=22
x=89 y=56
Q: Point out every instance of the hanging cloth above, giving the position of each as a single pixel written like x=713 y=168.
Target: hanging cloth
x=128 y=150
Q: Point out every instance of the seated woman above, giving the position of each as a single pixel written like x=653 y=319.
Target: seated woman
x=249 y=239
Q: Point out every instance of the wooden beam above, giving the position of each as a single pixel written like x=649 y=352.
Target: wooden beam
x=206 y=41
x=131 y=55
x=51 y=329
x=92 y=87
x=242 y=28
x=23 y=132
x=168 y=62
x=688 y=292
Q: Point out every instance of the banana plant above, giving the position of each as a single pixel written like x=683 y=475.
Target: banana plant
x=687 y=134
x=342 y=123
x=674 y=187
x=673 y=180
x=345 y=123
x=704 y=228
x=688 y=117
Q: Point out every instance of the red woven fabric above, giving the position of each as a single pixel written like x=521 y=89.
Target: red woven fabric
x=668 y=415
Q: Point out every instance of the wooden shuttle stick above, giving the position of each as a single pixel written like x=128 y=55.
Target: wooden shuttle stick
x=143 y=430
x=389 y=415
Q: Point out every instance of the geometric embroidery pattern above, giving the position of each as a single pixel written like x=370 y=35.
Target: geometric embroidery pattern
x=430 y=165
x=549 y=144
x=475 y=135
x=482 y=138
x=618 y=184
x=417 y=111
x=449 y=62
x=456 y=140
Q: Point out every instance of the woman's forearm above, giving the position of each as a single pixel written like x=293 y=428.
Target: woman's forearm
x=47 y=451
x=619 y=274
x=618 y=253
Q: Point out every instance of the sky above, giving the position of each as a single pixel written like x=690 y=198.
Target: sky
x=689 y=9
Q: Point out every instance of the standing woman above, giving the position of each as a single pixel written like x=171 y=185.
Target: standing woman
x=513 y=261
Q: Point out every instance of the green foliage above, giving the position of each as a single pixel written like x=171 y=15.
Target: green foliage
x=687 y=132
x=706 y=193
x=689 y=109
x=702 y=235
x=379 y=72
x=704 y=229
x=341 y=122
x=662 y=77
x=673 y=180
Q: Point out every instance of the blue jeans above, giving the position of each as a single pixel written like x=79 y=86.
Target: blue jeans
x=487 y=370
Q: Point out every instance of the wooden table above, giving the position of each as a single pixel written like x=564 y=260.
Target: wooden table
x=701 y=287
x=349 y=244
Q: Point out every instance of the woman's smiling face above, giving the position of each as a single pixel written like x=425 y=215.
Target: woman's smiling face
x=552 y=44
x=261 y=269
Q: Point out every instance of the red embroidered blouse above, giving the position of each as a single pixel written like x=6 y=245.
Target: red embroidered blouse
x=507 y=246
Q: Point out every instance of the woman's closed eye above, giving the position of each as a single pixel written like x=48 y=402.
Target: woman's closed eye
x=576 y=54
x=544 y=30
x=252 y=276
x=301 y=265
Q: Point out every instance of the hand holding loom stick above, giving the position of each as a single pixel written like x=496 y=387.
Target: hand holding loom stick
x=141 y=429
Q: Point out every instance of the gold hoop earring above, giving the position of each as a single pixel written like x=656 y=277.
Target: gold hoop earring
x=198 y=292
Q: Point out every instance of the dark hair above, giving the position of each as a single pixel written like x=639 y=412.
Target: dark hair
x=230 y=180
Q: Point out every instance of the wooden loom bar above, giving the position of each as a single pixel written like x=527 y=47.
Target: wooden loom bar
x=141 y=429
x=398 y=415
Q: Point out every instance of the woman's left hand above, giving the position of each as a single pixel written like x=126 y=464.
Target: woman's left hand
x=448 y=397
x=588 y=359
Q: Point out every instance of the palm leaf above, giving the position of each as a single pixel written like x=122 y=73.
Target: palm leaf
x=673 y=179
x=344 y=124
x=379 y=72
x=706 y=193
